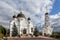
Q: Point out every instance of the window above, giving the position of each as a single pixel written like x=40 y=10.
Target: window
x=31 y=29
x=24 y=31
x=29 y=22
x=21 y=19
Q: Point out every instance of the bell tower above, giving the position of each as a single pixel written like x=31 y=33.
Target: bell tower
x=47 y=26
x=47 y=23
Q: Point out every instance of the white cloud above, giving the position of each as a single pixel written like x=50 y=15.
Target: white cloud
x=55 y=20
x=32 y=8
x=6 y=12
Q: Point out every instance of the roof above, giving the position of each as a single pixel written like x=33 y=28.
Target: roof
x=46 y=13
x=21 y=15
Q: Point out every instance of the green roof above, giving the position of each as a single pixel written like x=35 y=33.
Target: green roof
x=21 y=15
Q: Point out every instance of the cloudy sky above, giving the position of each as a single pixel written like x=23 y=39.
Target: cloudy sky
x=35 y=9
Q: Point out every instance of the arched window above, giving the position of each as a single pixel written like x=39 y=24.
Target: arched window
x=21 y=19
x=24 y=31
x=31 y=29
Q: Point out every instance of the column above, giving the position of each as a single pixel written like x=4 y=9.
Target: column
x=28 y=27
x=10 y=33
x=43 y=32
x=11 y=30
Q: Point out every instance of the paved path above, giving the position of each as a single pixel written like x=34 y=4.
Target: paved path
x=31 y=39
x=0 y=38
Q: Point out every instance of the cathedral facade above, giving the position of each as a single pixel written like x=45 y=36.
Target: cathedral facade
x=24 y=25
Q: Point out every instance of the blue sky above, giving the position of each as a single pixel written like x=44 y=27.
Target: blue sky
x=56 y=7
x=35 y=9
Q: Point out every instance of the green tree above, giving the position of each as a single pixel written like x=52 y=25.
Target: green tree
x=36 y=32
x=7 y=32
x=2 y=30
x=15 y=31
x=55 y=35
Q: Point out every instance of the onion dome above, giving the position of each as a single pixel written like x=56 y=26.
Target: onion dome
x=46 y=13
x=21 y=15
x=29 y=19
x=14 y=16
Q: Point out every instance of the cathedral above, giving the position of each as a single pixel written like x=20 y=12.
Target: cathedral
x=24 y=25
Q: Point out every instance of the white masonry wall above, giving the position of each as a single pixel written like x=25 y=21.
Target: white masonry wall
x=21 y=24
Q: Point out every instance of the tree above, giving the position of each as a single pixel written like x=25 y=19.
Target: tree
x=15 y=31
x=1 y=35
x=2 y=30
x=55 y=35
x=7 y=32
x=36 y=32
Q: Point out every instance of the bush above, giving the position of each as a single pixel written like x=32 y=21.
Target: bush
x=8 y=32
x=15 y=31
x=2 y=30
x=36 y=32
x=1 y=35
x=40 y=33
x=55 y=35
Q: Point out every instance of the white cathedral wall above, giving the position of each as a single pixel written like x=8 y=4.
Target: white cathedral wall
x=48 y=30
x=31 y=26
x=11 y=25
x=21 y=25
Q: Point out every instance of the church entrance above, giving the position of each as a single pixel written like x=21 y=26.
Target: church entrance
x=24 y=31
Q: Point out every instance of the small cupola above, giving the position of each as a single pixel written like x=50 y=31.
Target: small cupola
x=14 y=16
x=29 y=19
x=46 y=13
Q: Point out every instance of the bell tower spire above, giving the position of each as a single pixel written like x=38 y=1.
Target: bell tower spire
x=20 y=10
x=47 y=26
x=46 y=9
x=46 y=20
x=46 y=17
